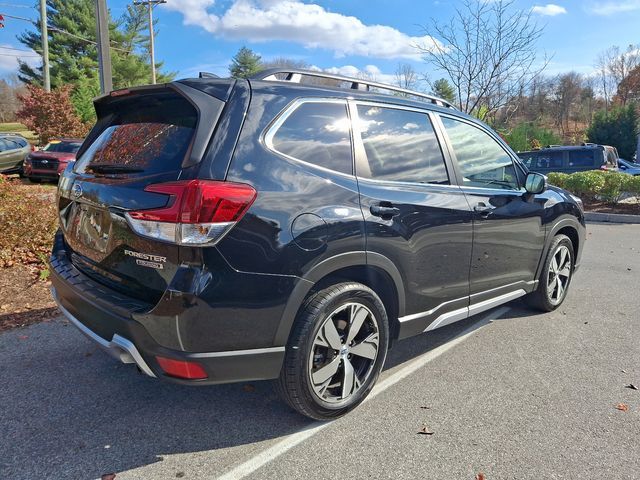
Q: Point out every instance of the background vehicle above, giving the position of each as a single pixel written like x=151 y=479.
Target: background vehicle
x=570 y=159
x=49 y=162
x=217 y=230
x=627 y=166
x=13 y=150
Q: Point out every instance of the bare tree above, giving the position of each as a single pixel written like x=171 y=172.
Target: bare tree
x=488 y=50
x=567 y=92
x=406 y=77
x=614 y=65
x=9 y=103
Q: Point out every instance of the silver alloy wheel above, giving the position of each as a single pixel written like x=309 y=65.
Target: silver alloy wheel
x=343 y=353
x=559 y=275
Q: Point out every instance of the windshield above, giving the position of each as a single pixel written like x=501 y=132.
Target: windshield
x=62 y=147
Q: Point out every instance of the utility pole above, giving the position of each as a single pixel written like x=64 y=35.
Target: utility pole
x=150 y=4
x=45 y=45
x=104 y=55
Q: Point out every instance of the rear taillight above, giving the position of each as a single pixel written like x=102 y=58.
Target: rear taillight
x=198 y=212
x=33 y=148
x=182 y=369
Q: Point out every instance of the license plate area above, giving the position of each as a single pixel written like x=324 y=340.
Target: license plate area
x=91 y=226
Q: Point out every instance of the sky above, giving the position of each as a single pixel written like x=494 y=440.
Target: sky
x=345 y=37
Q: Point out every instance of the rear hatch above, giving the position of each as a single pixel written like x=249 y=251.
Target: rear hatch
x=143 y=137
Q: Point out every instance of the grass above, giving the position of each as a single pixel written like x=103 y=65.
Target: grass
x=19 y=128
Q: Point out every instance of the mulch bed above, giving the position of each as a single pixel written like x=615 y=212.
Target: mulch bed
x=625 y=208
x=24 y=299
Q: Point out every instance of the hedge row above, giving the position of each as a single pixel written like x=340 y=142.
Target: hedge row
x=601 y=185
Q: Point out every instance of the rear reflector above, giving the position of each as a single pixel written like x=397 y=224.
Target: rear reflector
x=197 y=212
x=182 y=369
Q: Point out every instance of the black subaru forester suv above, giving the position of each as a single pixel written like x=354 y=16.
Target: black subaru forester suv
x=293 y=226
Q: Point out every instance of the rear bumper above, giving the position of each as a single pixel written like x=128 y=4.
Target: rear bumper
x=108 y=319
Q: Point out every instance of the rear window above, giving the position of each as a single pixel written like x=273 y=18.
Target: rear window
x=149 y=134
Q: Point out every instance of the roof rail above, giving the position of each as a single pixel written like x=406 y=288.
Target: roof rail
x=295 y=75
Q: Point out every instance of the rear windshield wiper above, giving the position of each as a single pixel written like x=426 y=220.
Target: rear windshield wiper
x=111 y=168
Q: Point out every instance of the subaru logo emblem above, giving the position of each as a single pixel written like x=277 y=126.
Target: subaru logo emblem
x=76 y=190
x=45 y=161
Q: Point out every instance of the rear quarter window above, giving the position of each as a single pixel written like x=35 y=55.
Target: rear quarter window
x=585 y=158
x=318 y=133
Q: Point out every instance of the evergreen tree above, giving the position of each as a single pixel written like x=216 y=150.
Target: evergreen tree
x=72 y=51
x=245 y=63
x=443 y=89
x=618 y=128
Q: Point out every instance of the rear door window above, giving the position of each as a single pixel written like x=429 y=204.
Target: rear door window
x=318 y=133
x=401 y=145
x=148 y=136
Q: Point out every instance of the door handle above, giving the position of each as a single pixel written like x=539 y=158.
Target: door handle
x=384 y=211
x=483 y=210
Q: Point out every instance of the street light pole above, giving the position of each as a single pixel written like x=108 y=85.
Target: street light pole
x=104 y=54
x=150 y=4
x=45 y=46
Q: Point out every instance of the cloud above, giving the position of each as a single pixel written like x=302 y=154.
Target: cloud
x=307 y=24
x=611 y=8
x=549 y=9
x=10 y=54
x=369 y=72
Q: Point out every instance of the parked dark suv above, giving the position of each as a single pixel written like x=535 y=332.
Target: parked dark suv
x=218 y=230
x=571 y=159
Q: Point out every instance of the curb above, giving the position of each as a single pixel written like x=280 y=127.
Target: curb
x=611 y=217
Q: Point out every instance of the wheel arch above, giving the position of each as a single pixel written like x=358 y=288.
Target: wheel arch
x=373 y=270
x=568 y=226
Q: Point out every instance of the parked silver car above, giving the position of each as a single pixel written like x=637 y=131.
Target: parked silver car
x=13 y=150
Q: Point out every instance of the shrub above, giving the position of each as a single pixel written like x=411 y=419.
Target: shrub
x=586 y=184
x=615 y=186
x=528 y=136
x=618 y=127
x=558 y=179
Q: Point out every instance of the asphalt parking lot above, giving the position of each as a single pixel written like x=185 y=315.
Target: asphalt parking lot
x=511 y=394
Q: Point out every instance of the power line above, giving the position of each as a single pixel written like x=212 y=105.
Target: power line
x=14 y=5
x=15 y=17
x=18 y=56
x=16 y=49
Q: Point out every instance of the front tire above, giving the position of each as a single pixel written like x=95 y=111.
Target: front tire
x=555 y=277
x=336 y=351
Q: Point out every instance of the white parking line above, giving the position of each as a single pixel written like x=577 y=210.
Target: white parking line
x=287 y=443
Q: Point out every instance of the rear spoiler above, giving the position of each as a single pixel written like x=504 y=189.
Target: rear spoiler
x=208 y=108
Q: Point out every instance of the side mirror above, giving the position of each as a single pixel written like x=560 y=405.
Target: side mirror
x=535 y=183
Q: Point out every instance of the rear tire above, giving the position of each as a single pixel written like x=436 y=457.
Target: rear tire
x=336 y=351
x=555 y=276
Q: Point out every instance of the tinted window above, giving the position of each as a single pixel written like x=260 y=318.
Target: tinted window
x=317 y=133
x=151 y=137
x=401 y=146
x=585 y=158
x=21 y=142
x=3 y=146
x=543 y=160
x=482 y=161
x=11 y=144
